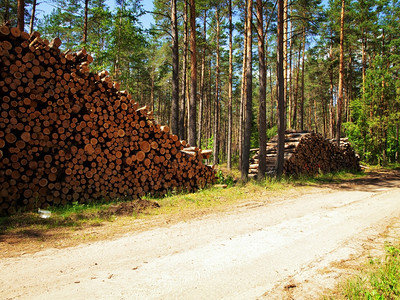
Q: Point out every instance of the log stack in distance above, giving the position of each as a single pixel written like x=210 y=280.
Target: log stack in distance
x=67 y=134
x=309 y=153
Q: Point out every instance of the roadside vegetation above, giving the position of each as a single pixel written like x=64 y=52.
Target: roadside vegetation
x=227 y=192
x=27 y=232
x=378 y=279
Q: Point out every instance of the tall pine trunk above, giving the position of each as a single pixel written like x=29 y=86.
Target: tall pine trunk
x=175 y=70
x=117 y=56
x=341 y=71
x=201 y=102
x=248 y=102
x=209 y=104
x=243 y=94
x=315 y=115
x=272 y=99
x=398 y=143
x=290 y=83
x=281 y=92
x=85 y=23
x=182 y=104
x=229 y=145
x=331 y=108
x=363 y=61
x=33 y=14
x=21 y=15
x=285 y=56
x=262 y=113
x=217 y=100
x=296 y=91
x=152 y=90
x=193 y=76
x=6 y=15
x=301 y=112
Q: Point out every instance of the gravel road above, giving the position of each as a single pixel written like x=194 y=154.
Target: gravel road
x=258 y=250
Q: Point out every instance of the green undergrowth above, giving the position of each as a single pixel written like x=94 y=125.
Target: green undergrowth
x=387 y=166
x=229 y=191
x=338 y=177
x=378 y=280
x=71 y=215
x=211 y=197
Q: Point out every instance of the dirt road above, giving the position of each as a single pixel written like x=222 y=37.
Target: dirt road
x=291 y=248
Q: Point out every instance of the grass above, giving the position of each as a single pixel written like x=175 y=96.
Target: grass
x=181 y=206
x=71 y=216
x=328 y=178
x=76 y=214
x=379 y=280
x=387 y=166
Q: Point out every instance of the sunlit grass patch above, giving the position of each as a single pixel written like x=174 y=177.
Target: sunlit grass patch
x=212 y=198
x=379 y=279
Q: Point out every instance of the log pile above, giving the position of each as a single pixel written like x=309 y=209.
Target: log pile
x=67 y=134
x=309 y=153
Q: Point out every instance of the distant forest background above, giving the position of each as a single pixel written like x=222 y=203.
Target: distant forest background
x=209 y=69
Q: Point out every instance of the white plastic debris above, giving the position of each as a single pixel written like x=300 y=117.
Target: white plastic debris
x=44 y=214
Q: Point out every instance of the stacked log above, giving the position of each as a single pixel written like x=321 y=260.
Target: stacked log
x=309 y=153
x=67 y=134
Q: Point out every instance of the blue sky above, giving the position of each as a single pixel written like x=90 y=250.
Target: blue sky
x=45 y=8
x=146 y=20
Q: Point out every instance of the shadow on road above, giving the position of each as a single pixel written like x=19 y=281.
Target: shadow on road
x=375 y=181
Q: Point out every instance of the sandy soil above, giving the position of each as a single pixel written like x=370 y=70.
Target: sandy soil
x=287 y=249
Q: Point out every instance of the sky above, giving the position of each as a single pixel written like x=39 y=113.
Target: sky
x=46 y=7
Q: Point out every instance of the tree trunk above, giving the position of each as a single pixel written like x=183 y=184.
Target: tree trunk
x=290 y=83
x=349 y=89
x=285 y=56
x=32 y=17
x=248 y=104
x=309 y=118
x=341 y=71
x=296 y=91
x=281 y=92
x=262 y=114
x=85 y=23
x=6 y=11
x=331 y=107
x=117 y=56
x=324 y=105
x=398 y=143
x=152 y=90
x=217 y=100
x=209 y=104
x=315 y=116
x=193 y=76
x=242 y=94
x=302 y=82
x=271 y=87
x=182 y=104
x=384 y=107
x=229 y=145
x=159 y=105
x=364 y=61
x=202 y=80
x=21 y=15
x=202 y=85
x=175 y=71
x=201 y=102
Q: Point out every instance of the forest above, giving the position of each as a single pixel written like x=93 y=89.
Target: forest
x=229 y=74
